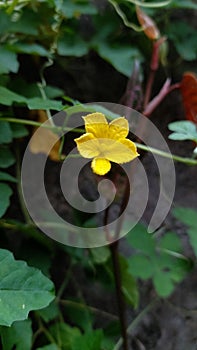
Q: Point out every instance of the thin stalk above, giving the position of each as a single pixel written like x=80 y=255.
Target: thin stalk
x=188 y=161
x=43 y=125
x=92 y=309
x=136 y=321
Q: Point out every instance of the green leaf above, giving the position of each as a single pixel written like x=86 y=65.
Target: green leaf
x=65 y=334
x=188 y=217
x=7 y=97
x=8 y=61
x=100 y=255
x=88 y=341
x=49 y=347
x=155 y=259
x=18 y=130
x=184 y=39
x=27 y=23
x=140 y=239
x=7 y=177
x=5 y=132
x=53 y=91
x=6 y=157
x=6 y=193
x=185 y=4
x=22 y=288
x=71 y=44
x=18 y=336
x=50 y=312
x=39 y=103
x=183 y=130
x=121 y=57
x=163 y=285
x=141 y=266
x=171 y=241
x=129 y=288
x=79 y=315
x=31 y=49
x=76 y=8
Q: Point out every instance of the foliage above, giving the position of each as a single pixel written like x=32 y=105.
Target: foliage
x=37 y=39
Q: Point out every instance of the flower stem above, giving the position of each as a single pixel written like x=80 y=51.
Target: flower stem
x=185 y=160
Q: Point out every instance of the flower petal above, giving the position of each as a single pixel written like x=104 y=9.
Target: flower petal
x=121 y=151
x=100 y=166
x=88 y=146
x=96 y=124
x=118 y=128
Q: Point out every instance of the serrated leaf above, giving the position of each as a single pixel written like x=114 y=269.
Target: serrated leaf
x=5 y=132
x=7 y=177
x=8 y=61
x=18 y=336
x=6 y=157
x=6 y=193
x=22 y=288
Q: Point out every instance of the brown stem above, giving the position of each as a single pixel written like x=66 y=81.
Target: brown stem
x=154 y=64
x=120 y=299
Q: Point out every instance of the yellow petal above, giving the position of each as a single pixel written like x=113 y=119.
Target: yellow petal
x=96 y=124
x=118 y=128
x=100 y=166
x=88 y=146
x=121 y=151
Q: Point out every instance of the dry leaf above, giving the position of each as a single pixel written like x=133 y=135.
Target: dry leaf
x=148 y=25
x=189 y=95
x=44 y=140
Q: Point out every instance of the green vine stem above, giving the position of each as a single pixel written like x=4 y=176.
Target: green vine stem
x=185 y=160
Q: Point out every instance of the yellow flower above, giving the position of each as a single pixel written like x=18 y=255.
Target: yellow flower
x=105 y=142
